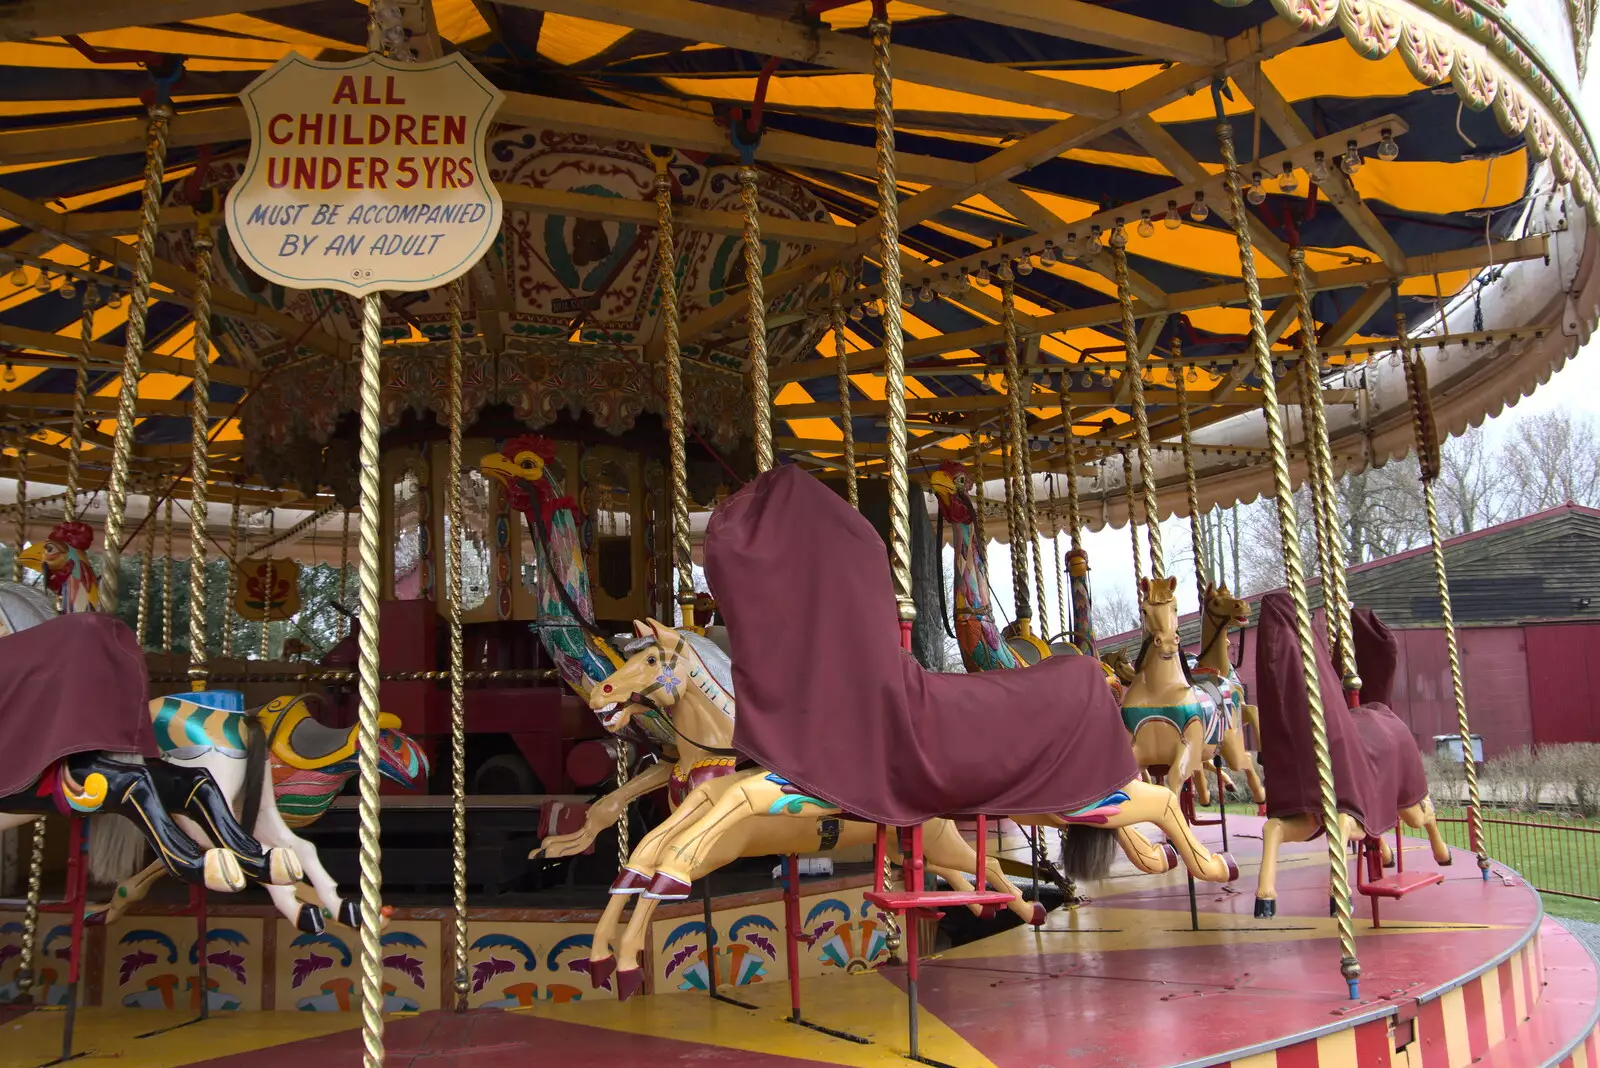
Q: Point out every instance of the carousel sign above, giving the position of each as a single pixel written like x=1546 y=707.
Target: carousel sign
x=366 y=175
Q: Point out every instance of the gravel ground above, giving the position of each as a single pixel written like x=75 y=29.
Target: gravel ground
x=1588 y=933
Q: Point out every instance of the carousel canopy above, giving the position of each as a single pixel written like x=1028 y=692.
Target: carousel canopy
x=1429 y=158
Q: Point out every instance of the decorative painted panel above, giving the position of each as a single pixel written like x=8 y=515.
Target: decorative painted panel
x=322 y=972
x=151 y=962
x=515 y=964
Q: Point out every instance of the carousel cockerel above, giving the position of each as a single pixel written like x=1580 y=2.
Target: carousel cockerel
x=63 y=558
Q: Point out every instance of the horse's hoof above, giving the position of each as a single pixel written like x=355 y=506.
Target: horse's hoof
x=665 y=887
x=629 y=881
x=1038 y=917
x=630 y=981
x=600 y=972
x=1233 y=866
x=309 y=921
x=1171 y=854
x=283 y=867
x=97 y=918
x=350 y=912
x=1266 y=908
x=222 y=872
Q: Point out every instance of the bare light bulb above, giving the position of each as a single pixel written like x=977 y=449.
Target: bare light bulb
x=1146 y=227
x=1047 y=255
x=874 y=309
x=1024 y=264
x=116 y=299
x=981 y=275
x=1387 y=149
x=1119 y=236
x=1319 y=167
x=1288 y=182
x=1197 y=209
x=69 y=287
x=1352 y=158
x=11 y=373
x=42 y=284
x=1004 y=272
x=1255 y=194
x=1172 y=219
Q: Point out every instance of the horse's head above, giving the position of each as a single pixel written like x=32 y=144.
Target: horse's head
x=1223 y=608
x=522 y=467
x=1158 y=612
x=650 y=680
x=952 y=485
x=400 y=759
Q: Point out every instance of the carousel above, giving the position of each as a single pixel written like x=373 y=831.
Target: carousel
x=442 y=416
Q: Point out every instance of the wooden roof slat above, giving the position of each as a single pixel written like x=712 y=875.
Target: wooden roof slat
x=1075 y=20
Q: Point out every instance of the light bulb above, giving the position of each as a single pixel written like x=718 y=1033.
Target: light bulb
x=116 y=299
x=19 y=277
x=1352 y=158
x=1146 y=227
x=907 y=298
x=1197 y=209
x=874 y=309
x=1193 y=374
x=1004 y=272
x=11 y=373
x=394 y=37
x=1319 y=167
x=42 y=284
x=1047 y=255
x=856 y=313
x=1024 y=265
x=1086 y=381
x=981 y=275
x=69 y=287
x=1287 y=181
x=1172 y=219
x=942 y=286
x=1387 y=149
x=1255 y=194
x=1119 y=236
x=1072 y=249
x=386 y=12
x=963 y=282
x=1091 y=244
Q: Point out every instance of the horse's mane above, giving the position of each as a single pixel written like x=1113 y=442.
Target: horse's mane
x=711 y=655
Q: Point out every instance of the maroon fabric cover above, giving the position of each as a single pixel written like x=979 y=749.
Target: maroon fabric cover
x=1287 y=753
x=72 y=684
x=829 y=700
x=1377 y=654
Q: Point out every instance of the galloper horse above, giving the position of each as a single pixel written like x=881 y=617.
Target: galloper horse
x=1213 y=671
x=63 y=559
x=1377 y=771
x=1171 y=720
x=308 y=764
x=846 y=730
x=76 y=739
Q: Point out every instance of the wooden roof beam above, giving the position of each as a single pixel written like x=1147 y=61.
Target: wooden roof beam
x=1355 y=316
x=118 y=137
x=764 y=35
x=643 y=212
x=1281 y=118
x=24 y=20
x=105 y=406
x=1095 y=24
x=1277 y=323
x=103 y=357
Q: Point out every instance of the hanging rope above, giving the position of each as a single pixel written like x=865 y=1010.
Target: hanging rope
x=1319 y=467
x=1015 y=446
x=1427 y=436
x=1141 y=418
x=1186 y=447
x=1133 y=514
x=199 y=460
x=1289 y=535
x=133 y=355
x=232 y=587
x=80 y=390
x=841 y=361
x=458 y=662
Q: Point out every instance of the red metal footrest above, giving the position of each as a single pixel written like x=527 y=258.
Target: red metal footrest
x=1400 y=883
x=932 y=900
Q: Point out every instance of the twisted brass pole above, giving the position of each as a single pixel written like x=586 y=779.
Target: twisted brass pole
x=1428 y=461
x=344 y=568
x=30 y=920
x=677 y=432
x=1077 y=561
x=232 y=585
x=1133 y=515
x=22 y=513
x=272 y=582
x=147 y=573
x=1293 y=572
x=133 y=355
x=1016 y=445
x=1189 y=481
x=1025 y=465
x=199 y=458
x=1335 y=593
x=458 y=666
x=894 y=355
x=852 y=489
x=80 y=389
x=367 y=624
x=166 y=578
x=1141 y=418
x=756 y=319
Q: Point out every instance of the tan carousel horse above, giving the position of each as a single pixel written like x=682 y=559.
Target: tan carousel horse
x=1377 y=771
x=725 y=809
x=1214 y=672
x=1170 y=719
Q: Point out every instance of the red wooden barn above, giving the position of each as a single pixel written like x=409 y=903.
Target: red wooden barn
x=1526 y=597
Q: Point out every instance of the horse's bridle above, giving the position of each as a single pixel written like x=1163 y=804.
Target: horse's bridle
x=669 y=663
x=1222 y=630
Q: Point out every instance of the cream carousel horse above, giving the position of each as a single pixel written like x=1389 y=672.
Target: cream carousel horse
x=1214 y=672
x=724 y=809
x=1170 y=718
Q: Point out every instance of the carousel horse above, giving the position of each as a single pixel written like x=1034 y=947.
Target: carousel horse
x=308 y=765
x=76 y=740
x=1214 y=672
x=1377 y=771
x=727 y=806
x=1171 y=720
x=63 y=559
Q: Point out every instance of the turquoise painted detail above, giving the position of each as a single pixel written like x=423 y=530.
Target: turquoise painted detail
x=792 y=804
x=1111 y=801
x=1177 y=715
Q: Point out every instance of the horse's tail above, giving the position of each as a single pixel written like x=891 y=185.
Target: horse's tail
x=116 y=848
x=1087 y=851
x=255 y=772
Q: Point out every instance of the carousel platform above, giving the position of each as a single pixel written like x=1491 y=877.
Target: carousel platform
x=1466 y=972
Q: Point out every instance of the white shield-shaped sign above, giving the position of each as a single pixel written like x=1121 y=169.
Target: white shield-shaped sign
x=366 y=175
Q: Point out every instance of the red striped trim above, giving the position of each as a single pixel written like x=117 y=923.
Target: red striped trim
x=1477 y=1018
x=1372 y=1044
x=1526 y=966
x=1592 y=1044
x=1299 y=1055
x=1430 y=1022
x=1508 y=998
